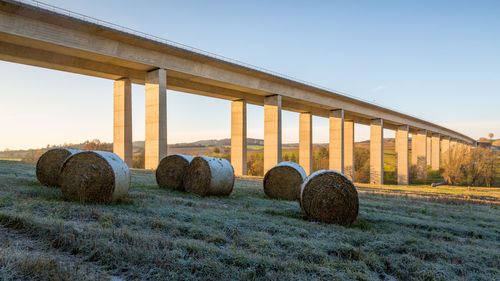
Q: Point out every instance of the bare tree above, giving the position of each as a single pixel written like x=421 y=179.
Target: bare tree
x=491 y=135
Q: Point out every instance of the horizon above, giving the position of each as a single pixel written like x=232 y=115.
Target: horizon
x=441 y=70
x=201 y=140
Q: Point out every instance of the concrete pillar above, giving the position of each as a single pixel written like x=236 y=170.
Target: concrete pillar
x=402 y=165
x=414 y=149
x=453 y=144
x=239 y=137
x=336 y=149
x=461 y=145
x=435 y=151
x=122 y=120
x=349 y=149
x=445 y=149
x=272 y=131
x=429 y=150
x=467 y=146
x=377 y=151
x=305 y=142
x=156 y=118
x=421 y=154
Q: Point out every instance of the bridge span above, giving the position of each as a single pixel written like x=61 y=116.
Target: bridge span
x=45 y=36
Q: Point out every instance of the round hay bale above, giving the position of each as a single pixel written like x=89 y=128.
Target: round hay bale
x=171 y=170
x=284 y=180
x=94 y=176
x=49 y=165
x=207 y=176
x=329 y=196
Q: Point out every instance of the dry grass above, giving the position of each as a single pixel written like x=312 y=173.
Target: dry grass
x=443 y=194
x=167 y=235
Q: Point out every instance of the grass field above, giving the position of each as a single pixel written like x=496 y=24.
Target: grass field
x=497 y=166
x=421 y=233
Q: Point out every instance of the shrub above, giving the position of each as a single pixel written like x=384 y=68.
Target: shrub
x=474 y=167
x=96 y=144
x=255 y=164
x=362 y=165
x=413 y=174
x=32 y=155
x=320 y=158
x=290 y=156
x=138 y=159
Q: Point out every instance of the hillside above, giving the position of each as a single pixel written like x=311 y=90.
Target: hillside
x=197 y=147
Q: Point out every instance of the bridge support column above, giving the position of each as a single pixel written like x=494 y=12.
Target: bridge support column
x=402 y=164
x=122 y=120
x=429 y=150
x=461 y=145
x=349 y=149
x=435 y=151
x=413 y=150
x=421 y=154
x=453 y=144
x=377 y=151
x=272 y=131
x=156 y=118
x=336 y=145
x=305 y=142
x=445 y=149
x=466 y=146
x=239 y=137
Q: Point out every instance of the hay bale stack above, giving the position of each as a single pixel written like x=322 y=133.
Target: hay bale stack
x=207 y=176
x=329 y=196
x=49 y=165
x=94 y=176
x=284 y=180
x=171 y=170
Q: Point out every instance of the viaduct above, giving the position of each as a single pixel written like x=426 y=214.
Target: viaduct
x=45 y=36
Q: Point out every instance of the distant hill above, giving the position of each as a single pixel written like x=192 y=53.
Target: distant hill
x=221 y=142
x=138 y=146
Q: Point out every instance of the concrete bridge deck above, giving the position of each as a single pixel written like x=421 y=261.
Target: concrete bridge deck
x=51 y=39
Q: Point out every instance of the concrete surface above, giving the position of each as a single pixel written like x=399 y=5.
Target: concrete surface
x=239 y=137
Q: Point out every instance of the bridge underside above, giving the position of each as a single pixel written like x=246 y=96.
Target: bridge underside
x=19 y=50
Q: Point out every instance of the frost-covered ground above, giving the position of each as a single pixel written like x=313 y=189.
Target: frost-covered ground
x=424 y=234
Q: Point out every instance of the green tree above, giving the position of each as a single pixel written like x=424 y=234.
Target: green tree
x=362 y=165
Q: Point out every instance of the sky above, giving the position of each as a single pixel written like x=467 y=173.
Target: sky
x=437 y=60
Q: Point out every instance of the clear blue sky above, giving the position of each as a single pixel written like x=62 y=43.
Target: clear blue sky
x=438 y=60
